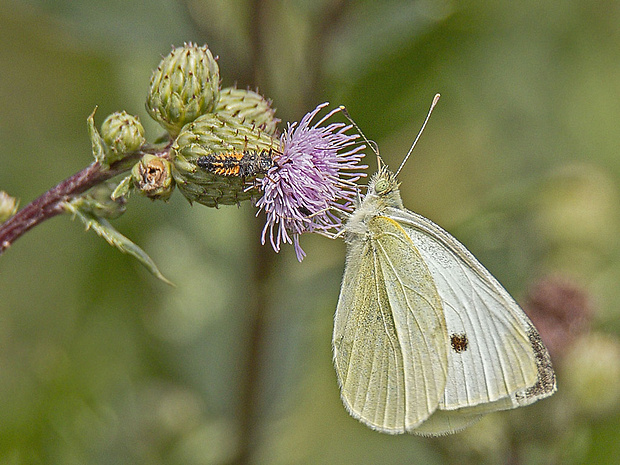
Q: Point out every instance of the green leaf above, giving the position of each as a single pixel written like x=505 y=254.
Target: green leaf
x=123 y=189
x=96 y=139
x=104 y=229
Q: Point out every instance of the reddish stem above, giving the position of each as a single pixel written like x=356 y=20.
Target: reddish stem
x=52 y=202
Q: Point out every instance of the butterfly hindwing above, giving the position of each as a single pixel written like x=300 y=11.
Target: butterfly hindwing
x=390 y=338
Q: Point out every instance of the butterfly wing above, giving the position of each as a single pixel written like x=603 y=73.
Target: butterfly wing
x=390 y=339
x=443 y=422
x=496 y=359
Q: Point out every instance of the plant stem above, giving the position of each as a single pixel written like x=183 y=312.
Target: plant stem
x=52 y=202
x=250 y=394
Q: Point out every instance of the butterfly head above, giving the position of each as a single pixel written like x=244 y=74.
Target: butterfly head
x=383 y=189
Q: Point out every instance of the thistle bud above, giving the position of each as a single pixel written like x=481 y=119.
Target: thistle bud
x=250 y=107
x=122 y=134
x=8 y=206
x=184 y=86
x=216 y=134
x=152 y=176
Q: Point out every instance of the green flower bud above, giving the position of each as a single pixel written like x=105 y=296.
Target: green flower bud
x=250 y=107
x=122 y=134
x=8 y=206
x=184 y=86
x=152 y=176
x=216 y=134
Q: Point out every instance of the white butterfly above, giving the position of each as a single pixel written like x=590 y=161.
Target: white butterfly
x=425 y=339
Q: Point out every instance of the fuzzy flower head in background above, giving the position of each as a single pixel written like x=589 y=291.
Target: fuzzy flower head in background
x=312 y=180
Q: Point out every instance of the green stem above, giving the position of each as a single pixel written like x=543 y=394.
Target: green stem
x=250 y=397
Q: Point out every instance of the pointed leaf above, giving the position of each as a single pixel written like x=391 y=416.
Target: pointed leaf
x=96 y=140
x=104 y=229
x=123 y=189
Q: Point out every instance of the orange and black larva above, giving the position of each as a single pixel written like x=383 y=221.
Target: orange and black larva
x=246 y=163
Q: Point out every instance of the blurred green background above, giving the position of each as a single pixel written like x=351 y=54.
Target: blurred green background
x=100 y=363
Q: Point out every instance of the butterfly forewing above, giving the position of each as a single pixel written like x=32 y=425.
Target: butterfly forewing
x=390 y=339
x=501 y=359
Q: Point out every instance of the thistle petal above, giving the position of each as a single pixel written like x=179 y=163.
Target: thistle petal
x=311 y=181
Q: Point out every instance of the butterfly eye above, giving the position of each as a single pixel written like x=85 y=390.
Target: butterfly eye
x=382 y=186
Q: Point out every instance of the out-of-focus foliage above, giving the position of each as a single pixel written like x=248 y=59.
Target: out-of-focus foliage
x=101 y=363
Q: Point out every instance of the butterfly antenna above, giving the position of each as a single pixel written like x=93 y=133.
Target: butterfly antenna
x=371 y=143
x=435 y=100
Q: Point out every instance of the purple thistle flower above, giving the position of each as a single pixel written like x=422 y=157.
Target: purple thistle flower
x=311 y=181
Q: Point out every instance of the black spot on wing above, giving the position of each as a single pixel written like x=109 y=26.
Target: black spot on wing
x=459 y=342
